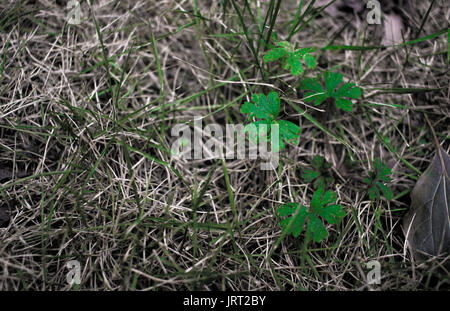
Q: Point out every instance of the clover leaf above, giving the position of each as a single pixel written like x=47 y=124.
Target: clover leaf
x=322 y=206
x=317 y=93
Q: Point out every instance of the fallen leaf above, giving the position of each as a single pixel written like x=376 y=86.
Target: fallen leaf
x=427 y=224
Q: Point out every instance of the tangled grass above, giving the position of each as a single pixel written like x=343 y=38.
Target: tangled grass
x=86 y=173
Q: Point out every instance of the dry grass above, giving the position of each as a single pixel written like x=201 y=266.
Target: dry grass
x=86 y=142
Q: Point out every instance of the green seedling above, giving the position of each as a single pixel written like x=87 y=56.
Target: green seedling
x=319 y=174
x=291 y=57
x=322 y=205
x=317 y=93
x=266 y=109
x=376 y=181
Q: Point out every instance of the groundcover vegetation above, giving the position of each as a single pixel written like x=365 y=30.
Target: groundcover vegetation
x=350 y=100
